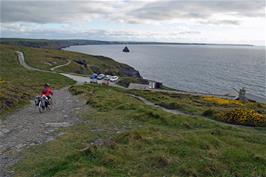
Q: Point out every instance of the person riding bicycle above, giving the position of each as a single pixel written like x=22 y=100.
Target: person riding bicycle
x=47 y=91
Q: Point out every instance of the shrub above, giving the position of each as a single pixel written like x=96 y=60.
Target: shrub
x=209 y=113
x=244 y=117
x=222 y=101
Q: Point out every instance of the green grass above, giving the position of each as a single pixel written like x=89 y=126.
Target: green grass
x=138 y=140
x=48 y=58
x=18 y=85
x=196 y=105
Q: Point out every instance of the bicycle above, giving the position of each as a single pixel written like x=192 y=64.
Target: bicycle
x=43 y=103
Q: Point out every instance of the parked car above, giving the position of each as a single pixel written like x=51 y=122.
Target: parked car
x=114 y=78
x=94 y=76
x=100 y=76
x=107 y=77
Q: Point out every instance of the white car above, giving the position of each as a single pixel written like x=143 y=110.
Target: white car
x=100 y=76
x=107 y=77
x=114 y=78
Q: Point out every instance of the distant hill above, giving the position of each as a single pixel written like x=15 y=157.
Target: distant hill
x=59 y=44
x=45 y=43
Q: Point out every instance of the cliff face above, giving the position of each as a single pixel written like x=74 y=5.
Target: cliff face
x=130 y=72
x=124 y=71
x=112 y=67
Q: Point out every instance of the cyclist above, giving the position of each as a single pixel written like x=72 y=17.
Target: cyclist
x=47 y=91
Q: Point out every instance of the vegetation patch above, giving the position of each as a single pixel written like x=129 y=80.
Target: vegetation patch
x=18 y=85
x=222 y=101
x=244 y=117
x=80 y=63
x=138 y=140
x=230 y=111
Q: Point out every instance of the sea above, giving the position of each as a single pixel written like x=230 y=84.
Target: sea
x=213 y=69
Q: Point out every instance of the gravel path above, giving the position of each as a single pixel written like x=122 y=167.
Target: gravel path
x=25 y=65
x=61 y=65
x=27 y=127
x=145 y=101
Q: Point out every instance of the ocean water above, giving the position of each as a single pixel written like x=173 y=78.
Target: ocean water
x=200 y=68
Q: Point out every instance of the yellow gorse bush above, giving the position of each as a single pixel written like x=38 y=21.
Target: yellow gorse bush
x=2 y=81
x=244 y=117
x=222 y=101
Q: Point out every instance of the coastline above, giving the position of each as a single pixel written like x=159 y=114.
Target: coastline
x=229 y=94
x=170 y=88
x=64 y=43
x=35 y=43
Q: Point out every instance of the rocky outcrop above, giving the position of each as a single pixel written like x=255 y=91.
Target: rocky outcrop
x=130 y=72
x=95 y=69
x=112 y=67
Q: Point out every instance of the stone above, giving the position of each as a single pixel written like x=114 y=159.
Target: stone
x=19 y=146
x=57 y=124
x=5 y=130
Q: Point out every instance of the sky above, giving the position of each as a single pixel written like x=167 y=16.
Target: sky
x=206 y=21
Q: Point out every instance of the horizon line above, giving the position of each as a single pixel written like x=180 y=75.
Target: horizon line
x=131 y=41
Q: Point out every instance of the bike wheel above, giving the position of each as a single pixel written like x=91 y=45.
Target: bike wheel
x=41 y=108
x=51 y=103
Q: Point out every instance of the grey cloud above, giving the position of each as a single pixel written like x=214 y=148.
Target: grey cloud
x=103 y=34
x=196 y=9
x=71 y=11
x=51 y=11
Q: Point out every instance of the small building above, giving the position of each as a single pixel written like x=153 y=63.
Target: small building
x=244 y=96
x=154 y=84
x=138 y=86
x=150 y=85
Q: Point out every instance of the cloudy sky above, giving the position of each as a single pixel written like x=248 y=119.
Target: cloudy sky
x=211 y=21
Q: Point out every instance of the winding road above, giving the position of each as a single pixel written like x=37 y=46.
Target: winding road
x=24 y=64
x=61 y=65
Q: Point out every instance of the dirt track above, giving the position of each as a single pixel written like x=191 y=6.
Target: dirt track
x=27 y=127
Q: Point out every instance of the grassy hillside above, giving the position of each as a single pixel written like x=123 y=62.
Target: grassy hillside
x=48 y=58
x=249 y=113
x=123 y=137
x=18 y=85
